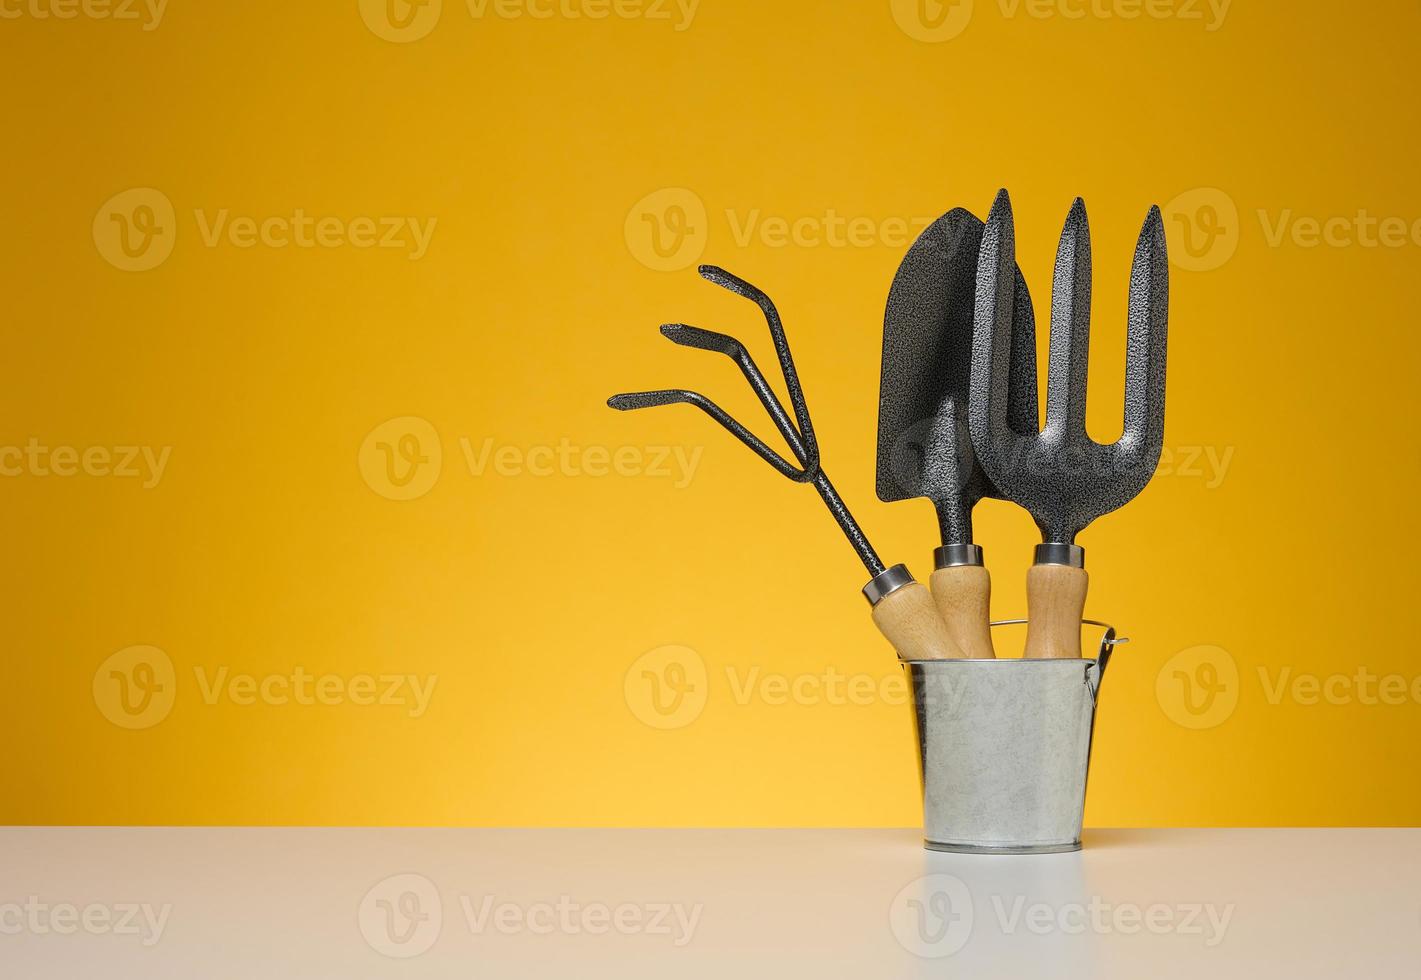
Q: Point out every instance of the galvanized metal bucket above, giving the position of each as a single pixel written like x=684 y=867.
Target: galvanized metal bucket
x=1005 y=748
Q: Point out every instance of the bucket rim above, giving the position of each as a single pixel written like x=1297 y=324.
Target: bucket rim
x=1004 y=660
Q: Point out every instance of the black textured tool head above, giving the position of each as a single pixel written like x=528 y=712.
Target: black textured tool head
x=1059 y=474
x=924 y=447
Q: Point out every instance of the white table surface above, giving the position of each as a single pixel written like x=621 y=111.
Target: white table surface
x=272 y=903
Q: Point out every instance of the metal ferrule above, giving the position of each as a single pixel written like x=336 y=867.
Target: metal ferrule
x=884 y=584
x=957 y=555
x=1057 y=553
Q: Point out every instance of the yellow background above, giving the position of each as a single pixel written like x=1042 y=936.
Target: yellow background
x=530 y=598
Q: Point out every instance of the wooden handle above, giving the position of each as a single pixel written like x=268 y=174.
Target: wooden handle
x=1055 y=604
x=908 y=618
x=963 y=595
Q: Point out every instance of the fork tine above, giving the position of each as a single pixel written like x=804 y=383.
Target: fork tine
x=1070 y=326
x=700 y=339
x=1023 y=414
x=674 y=396
x=1147 y=341
x=991 y=336
x=756 y=295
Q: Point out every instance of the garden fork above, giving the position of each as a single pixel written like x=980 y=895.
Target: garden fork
x=1059 y=474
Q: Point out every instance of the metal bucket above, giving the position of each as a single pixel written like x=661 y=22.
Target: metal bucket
x=1004 y=747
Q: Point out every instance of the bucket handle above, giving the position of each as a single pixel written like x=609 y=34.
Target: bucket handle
x=1108 y=643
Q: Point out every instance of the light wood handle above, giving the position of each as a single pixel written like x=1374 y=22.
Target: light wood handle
x=963 y=594
x=1055 y=605
x=910 y=621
